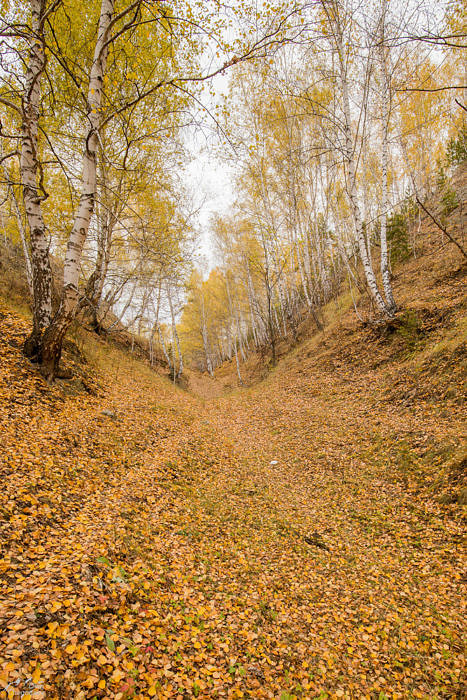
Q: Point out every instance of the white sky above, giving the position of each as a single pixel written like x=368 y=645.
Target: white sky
x=207 y=177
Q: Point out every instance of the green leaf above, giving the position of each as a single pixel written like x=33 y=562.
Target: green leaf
x=110 y=642
x=132 y=648
x=122 y=572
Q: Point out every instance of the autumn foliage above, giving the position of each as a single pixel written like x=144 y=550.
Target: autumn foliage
x=291 y=540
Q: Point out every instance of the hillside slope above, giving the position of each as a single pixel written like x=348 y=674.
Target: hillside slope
x=298 y=539
x=429 y=289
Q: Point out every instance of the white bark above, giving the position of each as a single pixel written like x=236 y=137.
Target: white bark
x=236 y=337
x=385 y=273
x=350 y=165
x=256 y=319
x=175 y=334
x=88 y=188
x=23 y=236
x=31 y=175
x=204 y=333
x=164 y=348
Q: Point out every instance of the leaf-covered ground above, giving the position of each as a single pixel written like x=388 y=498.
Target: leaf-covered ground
x=285 y=541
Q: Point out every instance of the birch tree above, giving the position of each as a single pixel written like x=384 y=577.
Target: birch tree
x=337 y=22
x=155 y=24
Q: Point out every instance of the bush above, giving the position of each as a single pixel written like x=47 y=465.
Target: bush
x=398 y=234
x=449 y=200
x=456 y=150
x=448 y=197
x=410 y=329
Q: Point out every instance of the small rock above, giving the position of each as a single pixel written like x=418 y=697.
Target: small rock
x=274 y=462
x=108 y=413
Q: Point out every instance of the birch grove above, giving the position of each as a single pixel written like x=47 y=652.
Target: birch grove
x=332 y=158
x=87 y=69
x=324 y=178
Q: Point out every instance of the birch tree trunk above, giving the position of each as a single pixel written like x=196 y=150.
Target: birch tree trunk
x=204 y=333
x=54 y=335
x=31 y=175
x=157 y=326
x=351 y=170
x=256 y=320
x=175 y=335
x=385 y=273
x=107 y=219
x=236 y=338
x=22 y=233
x=164 y=348
x=95 y=284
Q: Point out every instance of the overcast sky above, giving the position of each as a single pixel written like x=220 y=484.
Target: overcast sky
x=207 y=177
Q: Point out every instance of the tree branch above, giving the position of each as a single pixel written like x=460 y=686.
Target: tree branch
x=440 y=226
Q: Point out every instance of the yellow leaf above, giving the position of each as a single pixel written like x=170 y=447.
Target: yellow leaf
x=117 y=675
x=101 y=684
x=152 y=691
x=52 y=626
x=36 y=676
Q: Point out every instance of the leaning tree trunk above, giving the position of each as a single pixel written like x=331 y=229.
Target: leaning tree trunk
x=22 y=233
x=31 y=175
x=53 y=337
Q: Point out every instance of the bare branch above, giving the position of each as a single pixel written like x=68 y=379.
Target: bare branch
x=440 y=225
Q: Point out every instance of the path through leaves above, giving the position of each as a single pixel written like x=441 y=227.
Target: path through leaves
x=262 y=545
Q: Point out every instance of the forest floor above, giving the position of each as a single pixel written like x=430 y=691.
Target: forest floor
x=301 y=538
